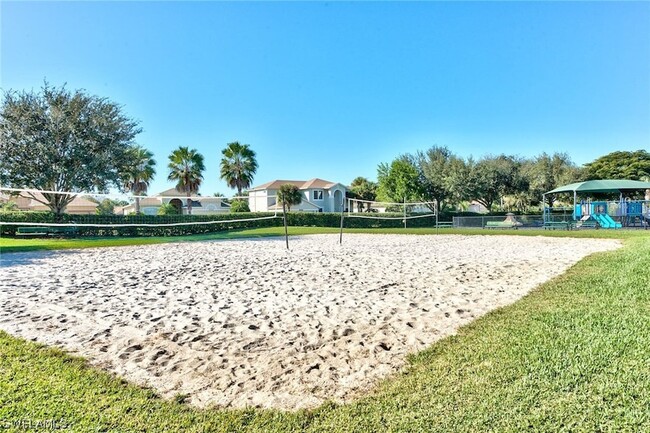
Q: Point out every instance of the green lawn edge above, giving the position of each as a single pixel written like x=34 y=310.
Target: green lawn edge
x=570 y=356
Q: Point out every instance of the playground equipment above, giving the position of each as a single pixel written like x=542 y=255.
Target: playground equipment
x=603 y=214
x=596 y=210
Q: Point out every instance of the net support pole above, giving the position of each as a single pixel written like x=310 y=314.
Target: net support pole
x=342 y=217
x=286 y=231
x=404 y=212
x=437 y=227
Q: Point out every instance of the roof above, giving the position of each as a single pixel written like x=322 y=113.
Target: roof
x=318 y=183
x=78 y=201
x=608 y=185
x=301 y=184
x=173 y=192
x=275 y=184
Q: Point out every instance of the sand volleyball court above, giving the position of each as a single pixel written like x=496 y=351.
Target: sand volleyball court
x=246 y=323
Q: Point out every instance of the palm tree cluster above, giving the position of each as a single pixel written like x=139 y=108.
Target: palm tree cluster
x=186 y=167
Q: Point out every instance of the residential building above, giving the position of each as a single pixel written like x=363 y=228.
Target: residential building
x=78 y=206
x=318 y=195
x=200 y=205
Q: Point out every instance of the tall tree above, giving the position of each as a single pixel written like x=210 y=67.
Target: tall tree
x=400 y=180
x=61 y=140
x=456 y=178
x=186 y=168
x=494 y=177
x=434 y=164
x=238 y=166
x=139 y=173
x=546 y=172
x=620 y=165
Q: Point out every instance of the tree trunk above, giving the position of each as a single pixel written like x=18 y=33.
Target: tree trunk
x=486 y=203
x=189 y=205
x=56 y=202
x=137 y=205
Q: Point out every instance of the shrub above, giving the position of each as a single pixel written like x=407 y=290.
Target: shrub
x=167 y=209
x=239 y=205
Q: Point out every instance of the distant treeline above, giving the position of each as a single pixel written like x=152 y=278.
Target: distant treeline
x=511 y=182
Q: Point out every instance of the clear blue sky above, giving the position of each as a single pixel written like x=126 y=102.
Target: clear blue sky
x=331 y=90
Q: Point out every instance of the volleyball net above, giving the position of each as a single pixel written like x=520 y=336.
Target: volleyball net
x=119 y=214
x=402 y=211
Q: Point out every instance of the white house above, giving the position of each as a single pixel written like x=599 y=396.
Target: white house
x=200 y=205
x=318 y=195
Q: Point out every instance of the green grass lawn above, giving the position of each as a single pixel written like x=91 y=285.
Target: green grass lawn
x=573 y=356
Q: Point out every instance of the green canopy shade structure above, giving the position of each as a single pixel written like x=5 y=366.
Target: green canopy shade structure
x=602 y=186
x=607 y=185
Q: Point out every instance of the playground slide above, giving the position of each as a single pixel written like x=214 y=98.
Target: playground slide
x=613 y=224
x=606 y=222
x=602 y=223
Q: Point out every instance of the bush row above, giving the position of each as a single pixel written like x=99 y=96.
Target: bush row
x=305 y=219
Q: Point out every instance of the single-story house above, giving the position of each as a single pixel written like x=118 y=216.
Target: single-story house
x=318 y=195
x=78 y=206
x=200 y=205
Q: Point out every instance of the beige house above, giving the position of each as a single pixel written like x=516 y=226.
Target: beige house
x=200 y=205
x=78 y=206
x=318 y=195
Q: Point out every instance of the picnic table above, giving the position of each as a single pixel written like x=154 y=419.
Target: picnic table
x=501 y=225
x=558 y=225
x=45 y=231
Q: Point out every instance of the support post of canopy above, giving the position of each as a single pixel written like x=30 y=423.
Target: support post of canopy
x=575 y=196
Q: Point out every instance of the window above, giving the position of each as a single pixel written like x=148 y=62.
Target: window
x=318 y=194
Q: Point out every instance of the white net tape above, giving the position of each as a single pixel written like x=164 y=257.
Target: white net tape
x=26 y=192
x=192 y=223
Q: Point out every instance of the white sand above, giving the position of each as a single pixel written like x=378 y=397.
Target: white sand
x=241 y=323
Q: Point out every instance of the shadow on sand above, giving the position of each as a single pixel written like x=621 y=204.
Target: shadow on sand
x=29 y=257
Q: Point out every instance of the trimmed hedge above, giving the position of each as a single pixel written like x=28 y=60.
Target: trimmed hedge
x=305 y=219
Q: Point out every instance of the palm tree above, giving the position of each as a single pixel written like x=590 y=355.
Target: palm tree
x=289 y=195
x=186 y=168
x=139 y=173
x=238 y=166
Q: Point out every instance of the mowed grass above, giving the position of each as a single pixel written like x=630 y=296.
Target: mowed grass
x=573 y=355
x=16 y=244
